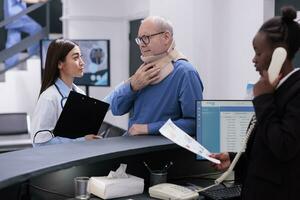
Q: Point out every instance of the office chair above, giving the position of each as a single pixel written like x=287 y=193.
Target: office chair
x=14 y=123
x=14 y=131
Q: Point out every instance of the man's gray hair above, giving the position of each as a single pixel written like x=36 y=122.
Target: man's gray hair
x=161 y=23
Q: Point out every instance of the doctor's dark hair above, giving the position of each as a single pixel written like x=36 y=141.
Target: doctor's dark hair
x=284 y=31
x=57 y=52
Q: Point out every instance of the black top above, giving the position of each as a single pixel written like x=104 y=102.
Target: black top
x=270 y=167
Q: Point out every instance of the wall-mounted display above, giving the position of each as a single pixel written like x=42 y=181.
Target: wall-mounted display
x=96 y=57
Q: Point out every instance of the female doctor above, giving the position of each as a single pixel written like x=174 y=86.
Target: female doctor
x=63 y=63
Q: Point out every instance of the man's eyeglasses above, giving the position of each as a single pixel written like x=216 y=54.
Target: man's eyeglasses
x=146 y=38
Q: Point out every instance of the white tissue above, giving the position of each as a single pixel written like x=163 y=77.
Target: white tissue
x=116 y=184
x=119 y=173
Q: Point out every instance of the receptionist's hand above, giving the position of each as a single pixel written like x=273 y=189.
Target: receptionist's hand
x=263 y=85
x=225 y=161
x=138 y=129
x=91 y=137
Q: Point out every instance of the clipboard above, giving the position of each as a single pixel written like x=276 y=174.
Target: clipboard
x=81 y=115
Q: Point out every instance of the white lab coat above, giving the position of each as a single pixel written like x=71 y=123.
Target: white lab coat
x=47 y=112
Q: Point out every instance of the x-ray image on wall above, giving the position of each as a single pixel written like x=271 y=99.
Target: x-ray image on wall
x=96 y=57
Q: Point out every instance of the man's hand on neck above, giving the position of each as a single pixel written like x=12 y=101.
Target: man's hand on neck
x=146 y=74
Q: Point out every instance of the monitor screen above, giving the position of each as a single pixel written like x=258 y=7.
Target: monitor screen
x=96 y=57
x=222 y=124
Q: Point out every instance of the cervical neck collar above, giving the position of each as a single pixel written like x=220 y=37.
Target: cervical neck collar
x=164 y=61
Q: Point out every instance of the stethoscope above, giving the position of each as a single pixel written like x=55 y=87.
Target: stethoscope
x=63 y=98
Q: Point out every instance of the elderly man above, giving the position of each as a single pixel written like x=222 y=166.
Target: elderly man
x=165 y=86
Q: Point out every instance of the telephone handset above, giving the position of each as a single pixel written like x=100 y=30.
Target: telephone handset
x=170 y=191
x=278 y=58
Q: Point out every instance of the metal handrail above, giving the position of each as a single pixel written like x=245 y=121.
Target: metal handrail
x=29 y=40
x=23 y=12
x=24 y=44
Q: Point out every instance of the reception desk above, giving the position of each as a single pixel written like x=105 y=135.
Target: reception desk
x=53 y=168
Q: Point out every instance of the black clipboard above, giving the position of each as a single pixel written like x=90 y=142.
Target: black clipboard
x=80 y=116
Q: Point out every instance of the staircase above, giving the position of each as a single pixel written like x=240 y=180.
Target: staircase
x=25 y=43
x=2 y=76
x=20 y=81
x=20 y=90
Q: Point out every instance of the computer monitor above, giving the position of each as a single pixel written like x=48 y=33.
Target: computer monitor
x=222 y=124
x=96 y=57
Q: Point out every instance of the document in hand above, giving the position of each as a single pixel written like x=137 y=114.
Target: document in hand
x=80 y=116
x=178 y=136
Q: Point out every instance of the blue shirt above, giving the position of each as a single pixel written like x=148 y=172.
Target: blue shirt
x=14 y=7
x=174 y=97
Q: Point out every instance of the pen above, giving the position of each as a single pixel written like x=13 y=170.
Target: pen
x=167 y=166
x=147 y=167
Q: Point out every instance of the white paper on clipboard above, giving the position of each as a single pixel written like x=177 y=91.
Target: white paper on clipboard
x=178 y=136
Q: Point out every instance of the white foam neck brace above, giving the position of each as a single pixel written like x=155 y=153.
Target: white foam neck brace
x=164 y=61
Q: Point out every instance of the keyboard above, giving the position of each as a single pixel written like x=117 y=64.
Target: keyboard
x=223 y=193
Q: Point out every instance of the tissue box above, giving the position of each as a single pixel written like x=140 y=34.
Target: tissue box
x=107 y=188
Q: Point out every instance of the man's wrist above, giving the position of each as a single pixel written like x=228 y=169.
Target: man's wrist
x=132 y=86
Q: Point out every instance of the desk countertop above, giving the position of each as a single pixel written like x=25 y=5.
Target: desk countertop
x=19 y=166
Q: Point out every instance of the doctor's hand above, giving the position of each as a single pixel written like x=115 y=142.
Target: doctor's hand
x=146 y=74
x=91 y=137
x=264 y=86
x=138 y=129
x=225 y=161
